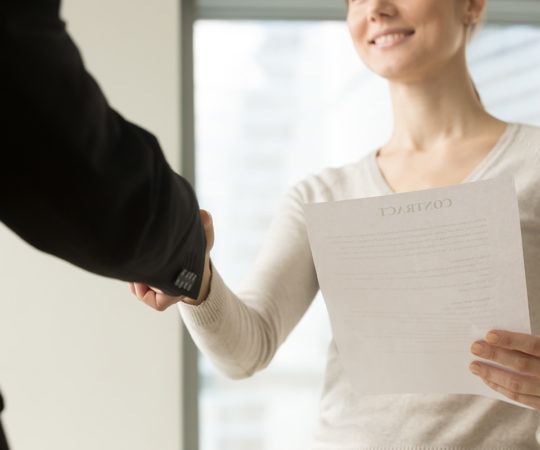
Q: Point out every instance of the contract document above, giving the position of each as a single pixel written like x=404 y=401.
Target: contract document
x=411 y=280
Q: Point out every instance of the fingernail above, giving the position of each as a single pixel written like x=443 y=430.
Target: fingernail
x=492 y=337
x=477 y=348
x=475 y=368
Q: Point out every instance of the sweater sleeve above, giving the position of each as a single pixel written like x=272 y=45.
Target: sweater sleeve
x=240 y=333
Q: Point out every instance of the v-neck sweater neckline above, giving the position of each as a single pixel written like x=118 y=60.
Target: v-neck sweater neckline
x=500 y=146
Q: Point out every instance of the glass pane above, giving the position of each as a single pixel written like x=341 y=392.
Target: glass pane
x=276 y=101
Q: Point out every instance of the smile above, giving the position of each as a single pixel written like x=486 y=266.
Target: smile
x=389 y=40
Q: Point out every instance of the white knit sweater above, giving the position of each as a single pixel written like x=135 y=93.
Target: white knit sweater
x=241 y=332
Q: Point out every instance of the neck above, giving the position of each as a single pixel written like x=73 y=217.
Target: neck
x=441 y=109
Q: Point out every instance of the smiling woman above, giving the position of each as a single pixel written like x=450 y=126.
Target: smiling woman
x=292 y=98
x=441 y=134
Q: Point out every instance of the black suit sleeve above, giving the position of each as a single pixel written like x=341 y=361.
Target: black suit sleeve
x=3 y=441
x=79 y=181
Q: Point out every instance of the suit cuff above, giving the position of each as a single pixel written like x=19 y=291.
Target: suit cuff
x=209 y=313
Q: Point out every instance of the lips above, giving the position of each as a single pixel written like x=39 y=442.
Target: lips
x=390 y=34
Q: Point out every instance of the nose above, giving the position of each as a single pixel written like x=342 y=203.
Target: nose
x=378 y=9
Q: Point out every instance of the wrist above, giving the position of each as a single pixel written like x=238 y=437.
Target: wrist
x=207 y=278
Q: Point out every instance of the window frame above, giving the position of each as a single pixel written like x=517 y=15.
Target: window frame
x=498 y=12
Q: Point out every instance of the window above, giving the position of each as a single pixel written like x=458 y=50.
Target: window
x=275 y=101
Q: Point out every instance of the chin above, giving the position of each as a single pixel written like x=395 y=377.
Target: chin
x=393 y=72
x=410 y=67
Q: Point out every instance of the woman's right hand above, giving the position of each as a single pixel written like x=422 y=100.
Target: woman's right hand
x=158 y=300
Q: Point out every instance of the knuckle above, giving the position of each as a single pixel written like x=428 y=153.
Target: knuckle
x=515 y=384
x=522 y=363
x=485 y=372
x=534 y=347
x=491 y=353
x=529 y=346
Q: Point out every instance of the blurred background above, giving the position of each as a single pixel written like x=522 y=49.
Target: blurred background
x=246 y=98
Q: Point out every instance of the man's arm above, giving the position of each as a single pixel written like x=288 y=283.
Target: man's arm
x=77 y=180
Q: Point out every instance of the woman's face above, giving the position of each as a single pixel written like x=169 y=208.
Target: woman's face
x=418 y=36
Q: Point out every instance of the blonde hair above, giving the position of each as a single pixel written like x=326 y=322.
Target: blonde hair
x=475 y=28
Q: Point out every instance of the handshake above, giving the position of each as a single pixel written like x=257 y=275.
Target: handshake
x=160 y=301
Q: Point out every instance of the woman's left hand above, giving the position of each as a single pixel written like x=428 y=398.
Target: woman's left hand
x=517 y=351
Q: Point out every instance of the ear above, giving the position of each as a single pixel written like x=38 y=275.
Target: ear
x=474 y=10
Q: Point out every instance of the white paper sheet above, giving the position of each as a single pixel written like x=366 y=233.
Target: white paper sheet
x=411 y=280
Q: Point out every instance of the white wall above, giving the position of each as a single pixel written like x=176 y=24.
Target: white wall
x=83 y=364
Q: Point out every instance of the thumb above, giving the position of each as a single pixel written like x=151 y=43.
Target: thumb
x=208 y=225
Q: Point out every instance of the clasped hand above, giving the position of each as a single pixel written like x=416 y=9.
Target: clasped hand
x=517 y=351
x=159 y=301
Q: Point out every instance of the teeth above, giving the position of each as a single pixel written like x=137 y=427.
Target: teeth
x=388 y=38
